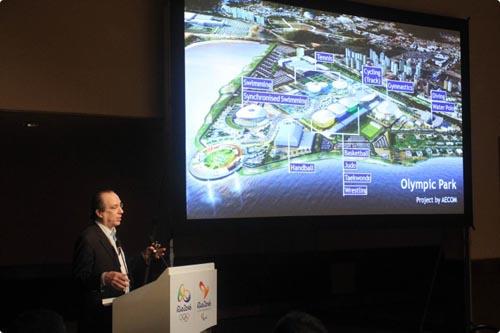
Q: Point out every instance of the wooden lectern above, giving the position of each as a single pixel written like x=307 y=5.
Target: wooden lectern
x=182 y=300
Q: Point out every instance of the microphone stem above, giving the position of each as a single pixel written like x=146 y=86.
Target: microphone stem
x=164 y=261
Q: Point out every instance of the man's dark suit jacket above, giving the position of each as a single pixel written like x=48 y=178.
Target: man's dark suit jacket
x=94 y=255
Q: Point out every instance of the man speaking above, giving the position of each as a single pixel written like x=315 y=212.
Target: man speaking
x=100 y=267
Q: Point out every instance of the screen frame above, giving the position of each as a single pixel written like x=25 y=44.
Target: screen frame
x=175 y=126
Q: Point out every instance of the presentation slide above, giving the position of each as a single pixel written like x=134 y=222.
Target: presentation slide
x=298 y=112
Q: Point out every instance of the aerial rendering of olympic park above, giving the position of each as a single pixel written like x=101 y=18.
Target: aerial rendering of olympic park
x=282 y=95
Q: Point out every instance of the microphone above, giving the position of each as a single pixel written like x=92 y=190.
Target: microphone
x=118 y=246
x=122 y=262
x=120 y=253
x=171 y=253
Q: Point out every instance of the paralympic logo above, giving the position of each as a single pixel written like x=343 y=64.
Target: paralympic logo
x=183 y=294
x=204 y=289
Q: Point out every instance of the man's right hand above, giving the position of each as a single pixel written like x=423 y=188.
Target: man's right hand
x=117 y=280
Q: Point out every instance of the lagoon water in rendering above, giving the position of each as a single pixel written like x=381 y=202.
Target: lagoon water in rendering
x=294 y=112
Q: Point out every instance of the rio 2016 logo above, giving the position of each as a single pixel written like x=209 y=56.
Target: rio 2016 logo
x=204 y=289
x=183 y=294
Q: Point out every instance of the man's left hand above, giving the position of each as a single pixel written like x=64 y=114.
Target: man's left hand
x=155 y=250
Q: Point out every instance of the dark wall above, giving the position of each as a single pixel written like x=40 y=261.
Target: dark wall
x=48 y=174
x=87 y=57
